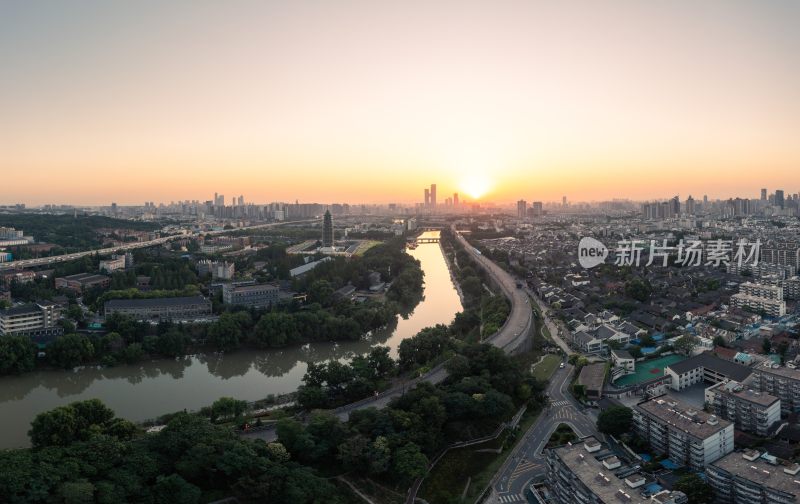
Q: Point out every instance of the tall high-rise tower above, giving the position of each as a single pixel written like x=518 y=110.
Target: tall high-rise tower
x=779 y=201
x=522 y=209
x=433 y=195
x=427 y=198
x=455 y=199
x=327 y=229
x=763 y=195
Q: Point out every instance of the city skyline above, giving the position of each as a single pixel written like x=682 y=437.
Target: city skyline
x=372 y=101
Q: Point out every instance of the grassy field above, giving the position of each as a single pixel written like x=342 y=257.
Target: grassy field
x=545 y=369
x=366 y=245
x=541 y=329
x=449 y=478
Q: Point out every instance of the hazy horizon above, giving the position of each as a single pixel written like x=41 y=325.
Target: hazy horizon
x=372 y=101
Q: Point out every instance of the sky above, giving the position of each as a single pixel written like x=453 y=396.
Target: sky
x=371 y=101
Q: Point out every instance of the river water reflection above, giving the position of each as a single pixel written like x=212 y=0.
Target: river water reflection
x=149 y=389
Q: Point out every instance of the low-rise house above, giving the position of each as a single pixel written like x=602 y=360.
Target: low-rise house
x=83 y=282
x=174 y=308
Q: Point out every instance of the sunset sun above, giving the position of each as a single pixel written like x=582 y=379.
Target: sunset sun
x=475 y=186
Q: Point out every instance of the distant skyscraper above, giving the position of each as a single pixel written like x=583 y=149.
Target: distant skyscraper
x=241 y=200
x=522 y=209
x=455 y=199
x=779 y=198
x=763 y=195
x=327 y=229
x=427 y=198
x=563 y=201
x=537 y=208
x=690 y=205
x=433 y=195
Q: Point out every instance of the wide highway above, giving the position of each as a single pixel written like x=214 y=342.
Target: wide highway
x=44 y=261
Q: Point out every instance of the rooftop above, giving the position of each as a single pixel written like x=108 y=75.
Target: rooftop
x=761 y=472
x=85 y=277
x=28 y=309
x=743 y=392
x=592 y=376
x=777 y=369
x=251 y=288
x=708 y=360
x=592 y=473
x=679 y=415
x=147 y=303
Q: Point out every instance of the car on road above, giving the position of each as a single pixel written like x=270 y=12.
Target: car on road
x=561 y=366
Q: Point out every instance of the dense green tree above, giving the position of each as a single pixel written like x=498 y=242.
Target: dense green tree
x=695 y=488
x=409 y=463
x=638 y=289
x=76 y=422
x=17 y=354
x=173 y=489
x=173 y=343
x=425 y=346
x=321 y=292
x=227 y=407
x=685 y=345
x=70 y=350
x=615 y=420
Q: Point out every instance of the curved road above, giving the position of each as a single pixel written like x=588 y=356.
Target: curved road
x=509 y=337
x=515 y=330
x=527 y=463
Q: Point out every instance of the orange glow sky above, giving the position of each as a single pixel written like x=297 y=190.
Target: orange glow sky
x=369 y=101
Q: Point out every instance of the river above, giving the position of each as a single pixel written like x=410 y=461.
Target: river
x=149 y=389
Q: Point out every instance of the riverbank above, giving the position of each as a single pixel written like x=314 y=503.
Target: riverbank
x=151 y=388
x=450 y=260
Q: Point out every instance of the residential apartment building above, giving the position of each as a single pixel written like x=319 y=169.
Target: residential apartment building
x=771 y=307
x=175 y=308
x=16 y=276
x=748 y=409
x=751 y=478
x=256 y=295
x=219 y=270
x=685 y=434
x=589 y=473
x=82 y=282
x=39 y=321
x=780 y=381
x=116 y=263
x=761 y=290
x=760 y=298
x=791 y=288
x=781 y=253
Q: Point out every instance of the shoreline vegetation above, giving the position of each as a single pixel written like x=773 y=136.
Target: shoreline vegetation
x=324 y=318
x=199 y=458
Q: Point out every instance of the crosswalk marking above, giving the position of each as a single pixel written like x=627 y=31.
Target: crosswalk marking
x=560 y=403
x=521 y=469
x=511 y=498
